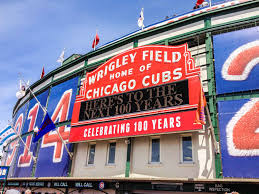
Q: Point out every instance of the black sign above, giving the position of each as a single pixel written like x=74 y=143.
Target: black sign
x=84 y=184
x=219 y=188
x=163 y=96
x=168 y=187
x=199 y=187
x=13 y=184
x=33 y=184
x=136 y=185
x=60 y=184
x=98 y=185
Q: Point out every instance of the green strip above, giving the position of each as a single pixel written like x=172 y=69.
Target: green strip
x=238 y=96
x=127 y=169
x=98 y=63
x=190 y=34
x=212 y=93
x=86 y=62
x=135 y=43
x=70 y=163
x=166 y=42
x=79 y=83
x=235 y=22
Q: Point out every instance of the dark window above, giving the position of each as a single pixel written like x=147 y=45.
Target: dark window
x=91 y=154
x=111 y=157
x=155 y=150
x=187 y=149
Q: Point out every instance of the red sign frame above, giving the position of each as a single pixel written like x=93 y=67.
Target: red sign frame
x=135 y=69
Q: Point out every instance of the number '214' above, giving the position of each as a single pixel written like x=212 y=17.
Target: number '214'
x=60 y=114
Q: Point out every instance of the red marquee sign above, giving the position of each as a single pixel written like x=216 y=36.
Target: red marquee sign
x=135 y=88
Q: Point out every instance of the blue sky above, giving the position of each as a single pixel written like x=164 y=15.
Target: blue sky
x=34 y=32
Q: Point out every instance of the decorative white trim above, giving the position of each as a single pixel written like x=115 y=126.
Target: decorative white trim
x=69 y=70
x=25 y=98
x=43 y=84
x=111 y=53
x=171 y=33
x=234 y=16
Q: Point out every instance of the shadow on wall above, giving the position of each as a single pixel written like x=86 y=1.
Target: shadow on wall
x=207 y=169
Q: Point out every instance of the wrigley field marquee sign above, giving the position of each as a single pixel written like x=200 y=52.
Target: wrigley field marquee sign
x=146 y=90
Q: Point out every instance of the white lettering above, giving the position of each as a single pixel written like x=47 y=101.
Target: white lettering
x=85 y=133
x=125 y=60
x=171 y=122
x=92 y=79
x=144 y=83
x=177 y=72
x=176 y=57
x=158 y=56
x=132 y=84
x=178 y=122
x=87 y=94
x=144 y=55
x=166 y=76
x=159 y=123
x=105 y=90
x=154 y=124
x=132 y=57
x=111 y=66
x=166 y=60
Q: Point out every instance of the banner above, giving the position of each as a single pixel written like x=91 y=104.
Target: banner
x=33 y=119
x=53 y=159
x=141 y=82
x=236 y=61
x=239 y=137
x=61 y=97
x=18 y=122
